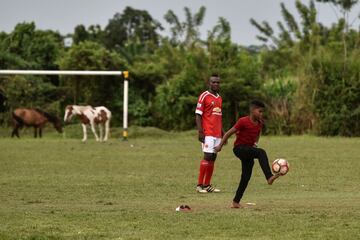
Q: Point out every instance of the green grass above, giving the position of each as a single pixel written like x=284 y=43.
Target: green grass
x=60 y=188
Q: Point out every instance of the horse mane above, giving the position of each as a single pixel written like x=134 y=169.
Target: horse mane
x=50 y=117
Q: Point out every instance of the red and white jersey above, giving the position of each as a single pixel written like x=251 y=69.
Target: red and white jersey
x=209 y=107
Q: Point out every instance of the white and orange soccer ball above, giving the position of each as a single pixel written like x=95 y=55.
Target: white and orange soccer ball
x=280 y=166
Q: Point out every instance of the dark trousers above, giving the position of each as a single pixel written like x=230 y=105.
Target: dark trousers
x=247 y=155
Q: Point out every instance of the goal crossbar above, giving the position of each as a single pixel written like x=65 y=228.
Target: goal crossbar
x=60 y=72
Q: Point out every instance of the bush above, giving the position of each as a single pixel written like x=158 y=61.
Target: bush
x=336 y=95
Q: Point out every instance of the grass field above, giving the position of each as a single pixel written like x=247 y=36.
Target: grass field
x=60 y=188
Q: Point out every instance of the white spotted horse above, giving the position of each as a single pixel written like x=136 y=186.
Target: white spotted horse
x=92 y=116
x=33 y=117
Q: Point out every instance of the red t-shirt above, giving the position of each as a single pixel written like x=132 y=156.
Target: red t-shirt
x=209 y=107
x=247 y=131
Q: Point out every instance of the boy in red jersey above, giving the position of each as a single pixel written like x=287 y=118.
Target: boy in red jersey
x=248 y=131
x=209 y=124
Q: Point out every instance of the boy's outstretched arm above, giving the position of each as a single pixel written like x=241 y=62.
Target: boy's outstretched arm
x=225 y=138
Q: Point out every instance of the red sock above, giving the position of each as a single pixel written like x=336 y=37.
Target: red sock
x=203 y=166
x=208 y=173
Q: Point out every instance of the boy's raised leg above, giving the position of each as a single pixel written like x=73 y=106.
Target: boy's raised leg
x=264 y=164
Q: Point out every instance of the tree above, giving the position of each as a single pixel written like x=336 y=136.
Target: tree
x=185 y=32
x=132 y=25
x=220 y=32
x=80 y=34
x=38 y=48
x=93 y=33
x=291 y=31
x=345 y=7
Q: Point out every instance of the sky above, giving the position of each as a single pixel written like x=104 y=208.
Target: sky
x=64 y=15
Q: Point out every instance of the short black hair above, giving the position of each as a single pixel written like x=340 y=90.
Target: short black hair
x=257 y=104
x=215 y=75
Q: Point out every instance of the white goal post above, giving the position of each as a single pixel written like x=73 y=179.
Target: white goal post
x=125 y=74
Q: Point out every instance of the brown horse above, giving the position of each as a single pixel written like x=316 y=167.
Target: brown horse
x=33 y=118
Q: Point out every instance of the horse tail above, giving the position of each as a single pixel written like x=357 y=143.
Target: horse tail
x=17 y=120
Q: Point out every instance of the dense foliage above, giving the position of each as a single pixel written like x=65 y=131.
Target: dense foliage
x=307 y=73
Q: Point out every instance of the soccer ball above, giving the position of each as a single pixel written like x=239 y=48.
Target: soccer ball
x=280 y=166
